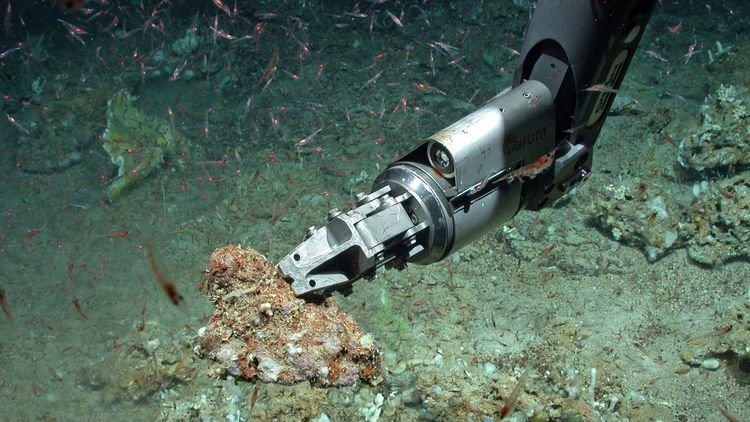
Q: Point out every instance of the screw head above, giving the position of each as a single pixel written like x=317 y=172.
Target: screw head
x=442 y=158
x=333 y=213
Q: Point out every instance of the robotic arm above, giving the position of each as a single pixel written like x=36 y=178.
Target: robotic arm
x=523 y=149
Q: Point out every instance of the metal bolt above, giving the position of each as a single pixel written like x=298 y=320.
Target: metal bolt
x=442 y=158
x=526 y=95
x=310 y=231
x=333 y=213
x=387 y=201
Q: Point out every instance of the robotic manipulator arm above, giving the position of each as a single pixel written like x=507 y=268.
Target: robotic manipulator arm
x=523 y=149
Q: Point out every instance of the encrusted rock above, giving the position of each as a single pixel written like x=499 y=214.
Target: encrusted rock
x=723 y=138
x=726 y=347
x=136 y=142
x=649 y=217
x=720 y=220
x=260 y=330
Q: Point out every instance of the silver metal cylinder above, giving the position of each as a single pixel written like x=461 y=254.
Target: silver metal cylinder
x=427 y=203
x=515 y=126
x=454 y=177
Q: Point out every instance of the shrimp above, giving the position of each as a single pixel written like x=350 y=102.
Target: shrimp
x=77 y=304
x=510 y=404
x=532 y=170
x=4 y=305
x=166 y=284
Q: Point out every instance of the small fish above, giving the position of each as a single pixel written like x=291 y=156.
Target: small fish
x=601 y=88
x=166 y=284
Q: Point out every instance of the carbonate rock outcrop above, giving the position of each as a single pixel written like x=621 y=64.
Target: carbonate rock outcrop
x=726 y=348
x=136 y=142
x=722 y=138
x=720 y=220
x=719 y=223
x=646 y=216
x=260 y=331
x=713 y=222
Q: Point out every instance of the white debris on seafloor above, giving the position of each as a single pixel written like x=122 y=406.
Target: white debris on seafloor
x=372 y=412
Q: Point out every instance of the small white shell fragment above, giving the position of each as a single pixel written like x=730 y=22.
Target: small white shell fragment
x=711 y=364
x=266 y=308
